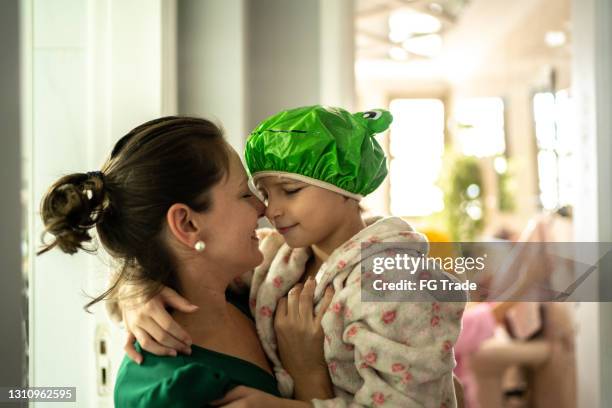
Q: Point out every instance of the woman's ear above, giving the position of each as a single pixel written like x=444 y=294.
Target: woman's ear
x=182 y=224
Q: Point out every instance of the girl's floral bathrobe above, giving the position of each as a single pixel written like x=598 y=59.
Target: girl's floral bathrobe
x=393 y=354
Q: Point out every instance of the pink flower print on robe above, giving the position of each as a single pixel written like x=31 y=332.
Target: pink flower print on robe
x=389 y=316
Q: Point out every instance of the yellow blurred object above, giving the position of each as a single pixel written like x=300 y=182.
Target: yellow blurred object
x=440 y=243
x=435 y=235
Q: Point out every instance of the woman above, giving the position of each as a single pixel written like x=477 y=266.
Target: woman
x=173 y=199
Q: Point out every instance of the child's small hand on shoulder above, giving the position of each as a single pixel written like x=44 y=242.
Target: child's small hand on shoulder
x=300 y=335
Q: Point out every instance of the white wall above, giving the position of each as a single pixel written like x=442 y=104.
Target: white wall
x=284 y=56
x=59 y=329
x=212 y=64
x=96 y=72
x=337 y=53
x=240 y=61
x=300 y=53
x=592 y=87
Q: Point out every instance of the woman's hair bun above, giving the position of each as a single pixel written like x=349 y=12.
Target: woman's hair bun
x=72 y=206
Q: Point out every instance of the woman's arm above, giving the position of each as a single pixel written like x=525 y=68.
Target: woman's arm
x=148 y=321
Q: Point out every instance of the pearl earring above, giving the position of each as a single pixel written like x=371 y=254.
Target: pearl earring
x=199 y=246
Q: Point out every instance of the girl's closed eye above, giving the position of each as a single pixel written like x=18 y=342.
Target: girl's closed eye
x=292 y=191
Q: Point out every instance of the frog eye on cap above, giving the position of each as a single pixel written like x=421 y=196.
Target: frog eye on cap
x=375 y=120
x=372 y=115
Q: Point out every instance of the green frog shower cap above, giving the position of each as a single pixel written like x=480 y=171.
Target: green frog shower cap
x=324 y=146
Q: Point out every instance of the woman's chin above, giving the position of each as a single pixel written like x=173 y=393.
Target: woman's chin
x=257 y=257
x=260 y=257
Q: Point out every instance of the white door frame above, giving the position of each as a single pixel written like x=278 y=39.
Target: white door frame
x=11 y=277
x=592 y=87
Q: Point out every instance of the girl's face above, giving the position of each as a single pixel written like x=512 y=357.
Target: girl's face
x=305 y=214
x=231 y=222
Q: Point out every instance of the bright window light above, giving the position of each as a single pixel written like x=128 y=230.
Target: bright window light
x=480 y=126
x=416 y=148
x=425 y=45
x=556 y=139
x=397 y=37
x=403 y=23
x=555 y=38
x=398 y=54
x=500 y=164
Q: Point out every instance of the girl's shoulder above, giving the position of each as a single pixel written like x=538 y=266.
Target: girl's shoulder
x=388 y=229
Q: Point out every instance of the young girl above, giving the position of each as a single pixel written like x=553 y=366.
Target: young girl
x=313 y=165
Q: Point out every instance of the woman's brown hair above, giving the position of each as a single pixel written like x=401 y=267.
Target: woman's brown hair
x=162 y=162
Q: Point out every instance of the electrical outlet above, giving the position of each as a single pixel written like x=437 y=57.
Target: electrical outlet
x=102 y=360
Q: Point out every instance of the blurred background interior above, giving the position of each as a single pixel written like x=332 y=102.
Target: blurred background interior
x=501 y=118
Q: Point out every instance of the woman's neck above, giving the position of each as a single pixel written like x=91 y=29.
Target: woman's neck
x=205 y=290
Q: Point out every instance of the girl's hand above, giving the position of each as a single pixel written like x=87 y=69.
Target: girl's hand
x=300 y=340
x=154 y=328
x=246 y=397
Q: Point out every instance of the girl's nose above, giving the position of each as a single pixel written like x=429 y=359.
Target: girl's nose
x=272 y=211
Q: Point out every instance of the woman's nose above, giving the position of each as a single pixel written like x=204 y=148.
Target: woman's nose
x=260 y=207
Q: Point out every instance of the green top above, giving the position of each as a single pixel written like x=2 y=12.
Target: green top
x=186 y=381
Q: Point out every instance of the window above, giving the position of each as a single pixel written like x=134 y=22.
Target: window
x=416 y=148
x=480 y=132
x=554 y=130
x=480 y=126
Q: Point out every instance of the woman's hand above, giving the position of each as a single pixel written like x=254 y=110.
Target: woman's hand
x=246 y=397
x=154 y=328
x=300 y=341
